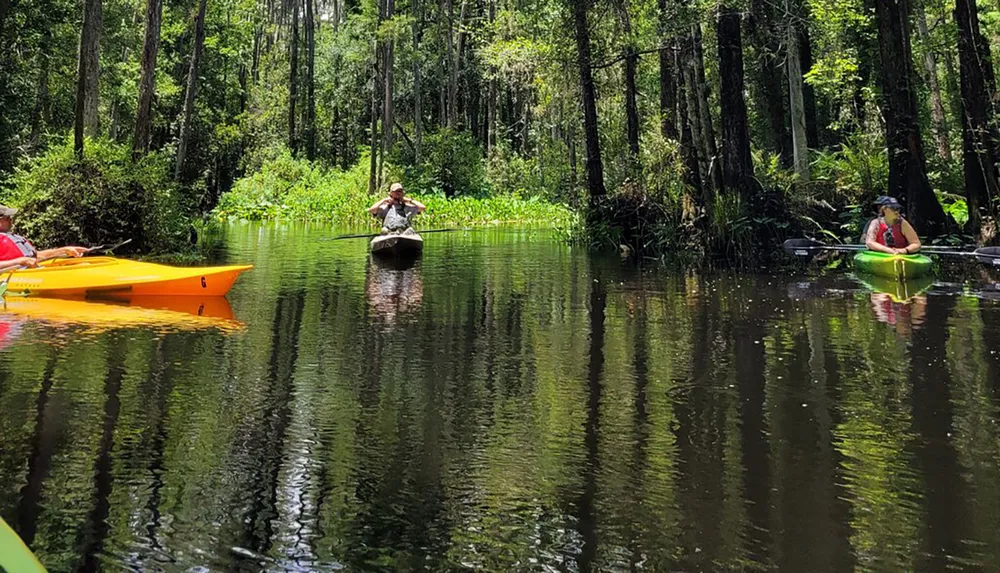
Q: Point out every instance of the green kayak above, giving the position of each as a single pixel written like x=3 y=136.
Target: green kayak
x=897 y=267
x=15 y=556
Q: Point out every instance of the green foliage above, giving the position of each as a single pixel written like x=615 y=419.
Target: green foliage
x=288 y=188
x=452 y=164
x=106 y=198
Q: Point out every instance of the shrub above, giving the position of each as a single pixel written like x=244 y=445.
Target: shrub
x=106 y=198
x=297 y=189
x=452 y=164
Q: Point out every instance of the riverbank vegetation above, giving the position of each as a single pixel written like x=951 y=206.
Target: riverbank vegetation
x=714 y=127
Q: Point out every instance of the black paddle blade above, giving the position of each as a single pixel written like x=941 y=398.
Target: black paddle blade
x=801 y=247
x=988 y=255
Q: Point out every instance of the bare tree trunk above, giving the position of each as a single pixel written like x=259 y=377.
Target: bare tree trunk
x=595 y=169
x=310 y=82
x=387 y=70
x=418 y=112
x=39 y=113
x=255 y=59
x=147 y=84
x=713 y=174
x=796 y=105
x=452 y=69
x=907 y=169
x=737 y=165
x=630 y=62
x=86 y=120
x=698 y=146
x=192 y=88
x=491 y=96
x=979 y=134
x=763 y=32
x=938 y=122
x=373 y=168
x=293 y=79
x=808 y=93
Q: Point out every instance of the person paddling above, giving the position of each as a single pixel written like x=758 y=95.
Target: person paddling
x=396 y=211
x=890 y=232
x=16 y=251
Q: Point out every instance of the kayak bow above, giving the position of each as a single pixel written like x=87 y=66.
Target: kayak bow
x=899 y=267
x=110 y=276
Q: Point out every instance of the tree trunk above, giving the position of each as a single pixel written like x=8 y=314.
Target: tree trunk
x=595 y=169
x=192 y=88
x=979 y=136
x=452 y=69
x=293 y=79
x=688 y=148
x=698 y=145
x=86 y=120
x=713 y=174
x=808 y=94
x=796 y=105
x=938 y=122
x=310 y=82
x=373 y=168
x=907 y=169
x=255 y=58
x=630 y=62
x=418 y=112
x=387 y=71
x=737 y=165
x=491 y=95
x=39 y=113
x=147 y=84
x=763 y=33
x=668 y=73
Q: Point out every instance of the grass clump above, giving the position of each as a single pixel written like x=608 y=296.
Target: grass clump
x=289 y=188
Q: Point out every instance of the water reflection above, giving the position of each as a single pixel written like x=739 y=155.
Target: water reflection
x=393 y=287
x=508 y=403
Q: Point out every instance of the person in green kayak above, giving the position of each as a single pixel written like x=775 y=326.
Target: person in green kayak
x=890 y=232
x=396 y=211
x=16 y=251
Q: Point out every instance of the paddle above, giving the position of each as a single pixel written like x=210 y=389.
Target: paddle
x=373 y=235
x=107 y=248
x=807 y=247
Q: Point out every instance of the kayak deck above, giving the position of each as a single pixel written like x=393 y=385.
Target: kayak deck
x=110 y=276
x=397 y=244
x=899 y=267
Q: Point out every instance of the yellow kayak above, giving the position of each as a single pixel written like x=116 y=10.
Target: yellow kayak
x=103 y=276
x=171 y=313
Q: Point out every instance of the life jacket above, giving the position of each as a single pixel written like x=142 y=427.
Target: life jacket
x=22 y=244
x=891 y=236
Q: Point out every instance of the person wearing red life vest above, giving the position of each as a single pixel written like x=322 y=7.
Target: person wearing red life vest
x=16 y=251
x=890 y=232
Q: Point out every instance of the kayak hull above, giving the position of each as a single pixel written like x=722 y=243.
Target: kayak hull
x=397 y=245
x=108 y=276
x=899 y=267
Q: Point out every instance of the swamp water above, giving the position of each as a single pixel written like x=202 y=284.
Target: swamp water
x=506 y=403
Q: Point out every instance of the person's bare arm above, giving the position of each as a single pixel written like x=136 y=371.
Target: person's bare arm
x=420 y=206
x=17 y=263
x=60 y=252
x=374 y=209
x=911 y=237
x=872 y=241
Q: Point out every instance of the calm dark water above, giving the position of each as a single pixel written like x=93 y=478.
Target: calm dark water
x=508 y=403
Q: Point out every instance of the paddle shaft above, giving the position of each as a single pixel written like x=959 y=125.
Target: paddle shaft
x=373 y=235
x=926 y=250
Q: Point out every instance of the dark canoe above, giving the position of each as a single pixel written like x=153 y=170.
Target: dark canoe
x=397 y=245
